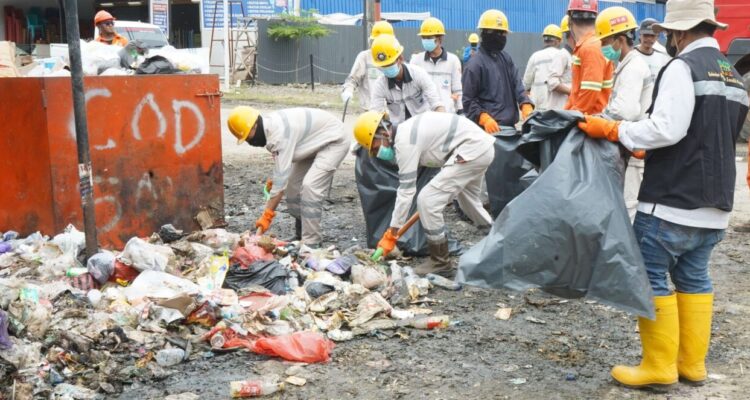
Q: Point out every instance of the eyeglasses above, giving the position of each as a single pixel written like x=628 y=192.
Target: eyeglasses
x=108 y=23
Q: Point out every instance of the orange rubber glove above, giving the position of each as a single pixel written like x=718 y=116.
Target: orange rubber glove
x=526 y=110
x=387 y=242
x=264 y=222
x=639 y=154
x=488 y=123
x=600 y=128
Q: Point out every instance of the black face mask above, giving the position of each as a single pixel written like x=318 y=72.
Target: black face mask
x=259 y=140
x=671 y=49
x=493 y=41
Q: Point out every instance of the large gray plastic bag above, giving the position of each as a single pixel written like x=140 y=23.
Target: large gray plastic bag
x=377 y=183
x=505 y=172
x=569 y=232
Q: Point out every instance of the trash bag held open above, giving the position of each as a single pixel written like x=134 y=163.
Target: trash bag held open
x=569 y=233
x=504 y=174
x=377 y=183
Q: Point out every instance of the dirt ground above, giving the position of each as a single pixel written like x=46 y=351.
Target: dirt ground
x=566 y=354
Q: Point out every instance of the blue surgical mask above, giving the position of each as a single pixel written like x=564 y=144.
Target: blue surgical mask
x=610 y=53
x=386 y=153
x=390 y=71
x=429 y=44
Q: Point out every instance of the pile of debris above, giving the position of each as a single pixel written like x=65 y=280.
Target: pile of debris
x=82 y=331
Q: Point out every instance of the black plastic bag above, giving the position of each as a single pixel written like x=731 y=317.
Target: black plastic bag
x=156 y=65
x=504 y=174
x=269 y=274
x=569 y=233
x=377 y=183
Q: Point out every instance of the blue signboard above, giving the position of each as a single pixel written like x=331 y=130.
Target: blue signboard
x=160 y=15
x=213 y=11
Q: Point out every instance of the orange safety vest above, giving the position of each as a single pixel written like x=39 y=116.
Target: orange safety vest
x=592 y=77
x=118 y=40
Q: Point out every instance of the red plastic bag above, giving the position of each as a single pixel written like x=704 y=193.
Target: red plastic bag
x=248 y=254
x=123 y=274
x=309 y=347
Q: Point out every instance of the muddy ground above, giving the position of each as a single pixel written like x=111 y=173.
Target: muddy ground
x=568 y=356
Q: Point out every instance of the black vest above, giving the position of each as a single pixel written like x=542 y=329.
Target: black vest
x=699 y=170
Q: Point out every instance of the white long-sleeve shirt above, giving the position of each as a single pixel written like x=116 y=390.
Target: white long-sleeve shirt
x=432 y=139
x=536 y=76
x=632 y=90
x=363 y=76
x=297 y=134
x=560 y=72
x=417 y=94
x=656 y=60
x=667 y=125
x=446 y=75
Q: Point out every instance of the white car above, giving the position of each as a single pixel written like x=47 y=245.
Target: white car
x=149 y=34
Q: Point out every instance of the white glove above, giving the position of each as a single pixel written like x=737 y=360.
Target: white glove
x=346 y=95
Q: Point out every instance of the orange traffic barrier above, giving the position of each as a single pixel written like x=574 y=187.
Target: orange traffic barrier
x=155 y=153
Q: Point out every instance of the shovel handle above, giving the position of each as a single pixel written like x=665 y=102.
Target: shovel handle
x=412 y=220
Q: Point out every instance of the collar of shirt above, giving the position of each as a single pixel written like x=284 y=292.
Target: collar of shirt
x=583 y=40
x=626 y=60
x=407 y=78
x=702 y=42
x=443 y=55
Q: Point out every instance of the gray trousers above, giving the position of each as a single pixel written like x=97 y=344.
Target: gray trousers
x=309 y=181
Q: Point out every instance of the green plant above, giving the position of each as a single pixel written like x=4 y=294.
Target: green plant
x=293 y=27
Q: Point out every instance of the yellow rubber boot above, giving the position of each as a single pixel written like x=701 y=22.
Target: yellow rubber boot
x=659 y=339
x=695 y=312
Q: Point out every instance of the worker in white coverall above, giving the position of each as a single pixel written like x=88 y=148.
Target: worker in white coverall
x=364 y=73
x=633 y=85
x=560 y=73
x=537 y=68
x=438 y=140
x=307 y=146
x=403 y=90
x=441 y=65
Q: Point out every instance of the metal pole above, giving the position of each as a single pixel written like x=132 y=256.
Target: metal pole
x=227 y=27
x=85 y=179
x=312 y=73
x=365 y=31
x=370 y=15
x=376 y=12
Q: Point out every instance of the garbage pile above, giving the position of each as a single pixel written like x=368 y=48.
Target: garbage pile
x=84 y=330
x=101 y=59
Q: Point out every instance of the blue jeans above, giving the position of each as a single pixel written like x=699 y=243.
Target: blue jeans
x=683 y=251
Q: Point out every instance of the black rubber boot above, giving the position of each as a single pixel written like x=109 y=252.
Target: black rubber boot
x=439 y=261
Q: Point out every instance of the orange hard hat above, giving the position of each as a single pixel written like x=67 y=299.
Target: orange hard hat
x=102 y=16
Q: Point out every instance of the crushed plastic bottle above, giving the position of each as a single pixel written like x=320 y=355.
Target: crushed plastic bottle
x=254 y=388
x=76 y=271
x=170 y=357
x=429 y=323
x=445 y=283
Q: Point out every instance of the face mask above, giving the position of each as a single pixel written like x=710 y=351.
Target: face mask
x=429 y=44
x=386 y=153
x=390 y=71
x=671 y=48
x=610 y=53
x=493 y=41
x=474 y=46
x=259 y=139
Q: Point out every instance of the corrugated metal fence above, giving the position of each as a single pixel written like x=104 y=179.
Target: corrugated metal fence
x=282 y=61
x=523 y=15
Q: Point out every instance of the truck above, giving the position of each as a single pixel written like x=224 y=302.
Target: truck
x=734 y=42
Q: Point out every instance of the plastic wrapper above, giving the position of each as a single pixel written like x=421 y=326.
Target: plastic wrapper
x=569 y=233
x=101 y=266
x=123 y=274
x=185 y=60
x=145 y=256
x=155 y=284
x=308 y=347
x=248 y=254
x=369 y=277
x=377 y=183
x=268 y=274
x=5 y=342
x=97 y=57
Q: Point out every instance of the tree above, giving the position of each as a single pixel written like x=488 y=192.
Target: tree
x=292 y=27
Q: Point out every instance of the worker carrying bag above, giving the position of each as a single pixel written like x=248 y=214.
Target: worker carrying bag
x=569 y=233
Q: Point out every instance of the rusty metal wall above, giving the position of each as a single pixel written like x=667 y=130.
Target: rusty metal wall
x=155 y=151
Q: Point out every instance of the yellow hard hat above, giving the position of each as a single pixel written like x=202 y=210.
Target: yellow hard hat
x=431 y=27
x=493 y=19
x=385 y=50
x=474 y=38
x=241 y=121
x=381 y=28
x=565 y=24
x=366 y=127
x=614 y=20
x=552 y=30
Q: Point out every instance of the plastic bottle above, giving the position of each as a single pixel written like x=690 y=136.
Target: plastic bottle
x=445 y=283
x=436 y=322
x=76 y=271
x=170 y=357
x=253 y=388
x=218 y=340
x=293 y=280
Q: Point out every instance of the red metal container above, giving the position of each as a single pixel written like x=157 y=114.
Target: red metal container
x=155 y=152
